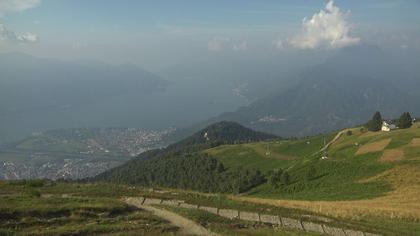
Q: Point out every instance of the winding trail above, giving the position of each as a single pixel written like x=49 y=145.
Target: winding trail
x=186 y=226
x=339 y=134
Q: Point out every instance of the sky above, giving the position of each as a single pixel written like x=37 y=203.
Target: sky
x=157 y=34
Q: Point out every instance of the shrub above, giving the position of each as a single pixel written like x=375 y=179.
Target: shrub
x=35 y=193
x=34 y=183
x=349 y=133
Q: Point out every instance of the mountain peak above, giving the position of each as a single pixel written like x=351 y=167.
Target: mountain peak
x=227 y=132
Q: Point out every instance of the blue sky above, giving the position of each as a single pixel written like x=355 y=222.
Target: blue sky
x=134 y=30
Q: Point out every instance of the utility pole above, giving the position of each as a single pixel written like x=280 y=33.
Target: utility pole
x=324 y=152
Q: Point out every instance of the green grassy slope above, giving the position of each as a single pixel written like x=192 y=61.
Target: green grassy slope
x=352 y=158
x=269 y=155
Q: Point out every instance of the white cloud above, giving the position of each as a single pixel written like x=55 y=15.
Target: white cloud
x=217 y=44
x=17 y=5
x=328 y=29
x=7 y=35
x=278 y=44
x=242 y=46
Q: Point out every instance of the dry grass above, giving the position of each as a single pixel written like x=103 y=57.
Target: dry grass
x=390 y=155
x=373 y=147
x=415 y=142
x=370 y=134
x=403 y=202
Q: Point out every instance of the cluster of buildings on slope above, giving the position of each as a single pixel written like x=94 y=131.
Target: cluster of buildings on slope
x=388 y=125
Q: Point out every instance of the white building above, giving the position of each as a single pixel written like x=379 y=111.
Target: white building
x=387 y=126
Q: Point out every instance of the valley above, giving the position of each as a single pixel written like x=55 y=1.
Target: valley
x=214 y=118
x=76 y=153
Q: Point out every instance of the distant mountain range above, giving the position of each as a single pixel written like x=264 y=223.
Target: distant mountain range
x=343 y=91
x=38 y=94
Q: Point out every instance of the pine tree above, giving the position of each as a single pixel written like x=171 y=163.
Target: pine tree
x=405 y=121
x=285 y=178
x=375 y=124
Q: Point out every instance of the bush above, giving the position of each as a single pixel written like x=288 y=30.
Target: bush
x=34 y=183
x=349 y=133
x=35 y=193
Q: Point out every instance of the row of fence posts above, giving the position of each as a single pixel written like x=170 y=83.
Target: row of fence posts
x=258 y=217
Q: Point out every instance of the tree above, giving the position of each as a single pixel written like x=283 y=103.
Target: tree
x=375 y=124
x=285 y=178
x=405 y=121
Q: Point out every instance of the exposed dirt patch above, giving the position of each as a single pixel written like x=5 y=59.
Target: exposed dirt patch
x=415 y=142
x=390 y=155
x=187 y=226
x=369 y=134
x=373 y=147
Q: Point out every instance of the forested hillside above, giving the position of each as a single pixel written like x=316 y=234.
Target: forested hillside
x=183 y=165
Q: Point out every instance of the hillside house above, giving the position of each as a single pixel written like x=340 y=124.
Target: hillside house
x=388 y=126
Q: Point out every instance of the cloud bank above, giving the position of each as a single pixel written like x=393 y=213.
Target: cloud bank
x=217 y=44
x=326 y=29
x=7 y=35
x=242 y=46
x=220 y=44
x=17 y=5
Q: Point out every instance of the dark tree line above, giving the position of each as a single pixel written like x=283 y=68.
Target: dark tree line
x=184 y=165
x=375 y=124
x=195 y=171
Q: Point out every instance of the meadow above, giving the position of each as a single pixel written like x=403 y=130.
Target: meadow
x=28 y=208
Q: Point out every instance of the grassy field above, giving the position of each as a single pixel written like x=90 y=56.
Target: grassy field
x=28 y=208
x=369 y=177
x=233 y=227
x=51 y=208
x=267 y=156
x=352 y=158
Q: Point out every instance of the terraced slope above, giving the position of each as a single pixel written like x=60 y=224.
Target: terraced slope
x=269 y=155
x=358 y=164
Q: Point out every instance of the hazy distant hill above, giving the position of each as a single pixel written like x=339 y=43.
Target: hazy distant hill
x=343 y=91
x=38 y=93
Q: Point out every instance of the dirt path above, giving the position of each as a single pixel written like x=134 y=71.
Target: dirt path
x=187 y=226
x=331 y=142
